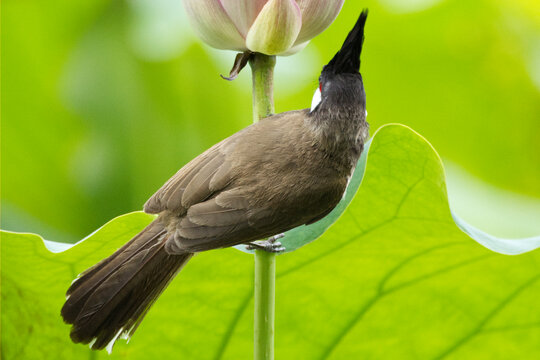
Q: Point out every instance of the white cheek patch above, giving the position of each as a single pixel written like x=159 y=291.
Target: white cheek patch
x=316 y=99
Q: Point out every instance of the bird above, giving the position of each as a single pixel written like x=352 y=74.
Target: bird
x=287 y=170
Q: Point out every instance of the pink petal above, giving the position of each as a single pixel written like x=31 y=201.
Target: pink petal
x=210 y=21
x=317 y=15
x=296 y=48
x=243 y=12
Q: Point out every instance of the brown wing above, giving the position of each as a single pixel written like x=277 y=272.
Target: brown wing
x=206 y=215
x=197 y=181
x=220 y=200
x=225 y=220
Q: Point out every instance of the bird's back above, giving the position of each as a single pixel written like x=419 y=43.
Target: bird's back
x=264 y=180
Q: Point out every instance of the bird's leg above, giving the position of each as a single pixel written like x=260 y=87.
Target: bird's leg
x=270 y=245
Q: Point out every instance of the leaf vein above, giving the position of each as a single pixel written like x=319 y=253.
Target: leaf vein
x=497 y=309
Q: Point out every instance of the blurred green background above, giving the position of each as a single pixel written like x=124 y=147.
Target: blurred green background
x=102 y=101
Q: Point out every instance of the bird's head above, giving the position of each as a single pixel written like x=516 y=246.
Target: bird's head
x=340 y=83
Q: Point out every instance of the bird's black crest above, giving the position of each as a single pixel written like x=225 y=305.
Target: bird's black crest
x=347 y=59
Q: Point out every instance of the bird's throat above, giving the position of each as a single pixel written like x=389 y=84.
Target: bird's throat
x=342 y=133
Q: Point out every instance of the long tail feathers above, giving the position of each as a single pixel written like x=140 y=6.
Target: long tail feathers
x=110 y=299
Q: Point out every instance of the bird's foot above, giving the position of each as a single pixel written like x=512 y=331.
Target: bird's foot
x=269 y=245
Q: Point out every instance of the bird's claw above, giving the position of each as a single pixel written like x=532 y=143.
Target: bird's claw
x=274 y=247
x=276 y=237
x=269 y=245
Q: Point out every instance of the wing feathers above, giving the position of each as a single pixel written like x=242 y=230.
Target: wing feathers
x=234 y=199
x=222 y=177
x=198 y=188
x=209 y=213
x=196 y=182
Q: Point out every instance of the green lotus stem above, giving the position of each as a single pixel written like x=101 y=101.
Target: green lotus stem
x=262 y=67
x=262 y=70
x=265 y=292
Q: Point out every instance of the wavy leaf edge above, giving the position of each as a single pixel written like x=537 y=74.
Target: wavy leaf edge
x=303 y=235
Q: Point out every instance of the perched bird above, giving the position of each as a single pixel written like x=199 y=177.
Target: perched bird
x=287 y=170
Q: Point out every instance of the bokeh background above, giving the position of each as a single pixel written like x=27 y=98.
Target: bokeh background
x=102 y=101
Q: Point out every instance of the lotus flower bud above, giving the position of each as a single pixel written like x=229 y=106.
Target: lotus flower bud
x=271 y=27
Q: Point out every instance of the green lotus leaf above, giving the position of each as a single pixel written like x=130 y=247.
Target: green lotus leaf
x=393 y=278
